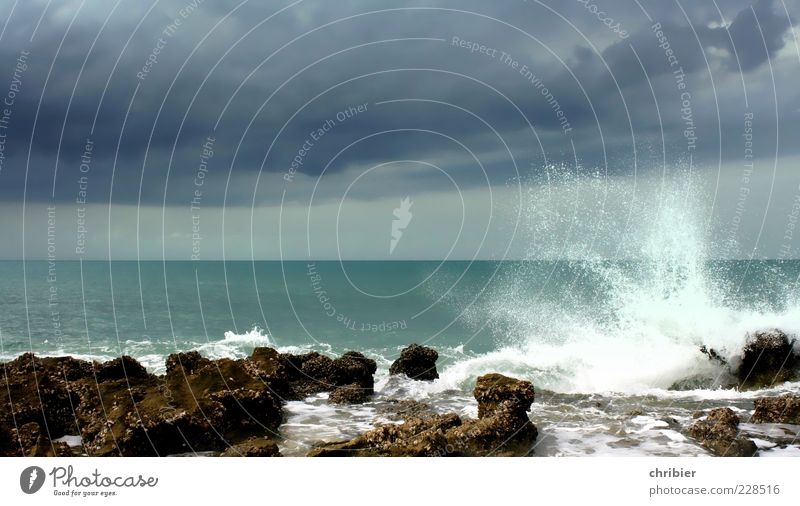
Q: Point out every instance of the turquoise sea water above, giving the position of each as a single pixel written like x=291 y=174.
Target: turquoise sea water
x=533 y=315
x=599 y=340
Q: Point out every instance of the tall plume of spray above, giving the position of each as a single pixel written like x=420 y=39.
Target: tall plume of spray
x=618 y=292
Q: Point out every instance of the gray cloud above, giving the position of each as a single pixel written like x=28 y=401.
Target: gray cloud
x=603 y=91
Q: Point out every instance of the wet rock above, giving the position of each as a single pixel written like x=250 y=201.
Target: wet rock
x=417 y=362
x=253 y=447
x=313 y=373
x=199 y=405
x=713 y=355
x=120 y=368
x=40 y=390
x=417 y=437
x=719 y=433
x=709 y=381
x=187 y=362
x=349 y=394
x=405 y=409
x=784 y=409
x=118 y=408
x=503 y=428
x=31 y=442
x=768 y=358
x=495 y=391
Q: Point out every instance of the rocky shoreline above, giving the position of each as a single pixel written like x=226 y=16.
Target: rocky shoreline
x=230 y=407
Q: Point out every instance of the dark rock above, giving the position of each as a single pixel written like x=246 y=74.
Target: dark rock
x=503 y=428
x=349 y=394
x=33 y=443
x=253 y=447
x=120 y=368
x=118 y=408
x=719 y=433
x=313 y=373
x=417 y=362
x=784 y=409
x=713 y=356
x=768 y=358
x=186 y=362
x=199 y=405
x=40 y=390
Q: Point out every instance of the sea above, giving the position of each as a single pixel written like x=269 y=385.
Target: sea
x=602 y=341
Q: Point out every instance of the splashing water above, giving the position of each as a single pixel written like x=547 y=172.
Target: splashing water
x=630 y=325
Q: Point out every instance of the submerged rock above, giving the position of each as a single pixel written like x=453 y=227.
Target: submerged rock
x=253 y=447
x=784 y=409
x=704 y=382
x=405 y=409
x=417 y=437
x=768 y=358
x=349 y=394
x=502 y=428
x=417 y=362
x=719 y=433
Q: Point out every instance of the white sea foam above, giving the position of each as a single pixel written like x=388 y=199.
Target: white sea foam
x=649 y=316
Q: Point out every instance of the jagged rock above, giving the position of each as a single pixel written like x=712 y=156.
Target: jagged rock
x=503 y=428
x=31 y=442
x=713 y=355
x=198 y=405
x=118 y=408
x=495 y=391
x=719 y=433
x=120 y=368
x=349 y=394
x=768 y=358
x=39 y=390
x=784 y=409
x=253 y=447
x=186 y=362
x=417 y=437
x=417 y=362
x=312 y=373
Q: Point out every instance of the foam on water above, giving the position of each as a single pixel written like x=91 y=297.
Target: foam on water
x=648 y=317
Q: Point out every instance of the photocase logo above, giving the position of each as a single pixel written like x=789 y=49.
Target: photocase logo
x=31 y=479
x=402 y=217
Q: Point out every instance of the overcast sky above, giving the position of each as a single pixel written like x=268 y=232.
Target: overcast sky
x=518 y=129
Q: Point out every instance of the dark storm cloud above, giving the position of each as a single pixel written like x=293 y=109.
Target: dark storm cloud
x=595 y=79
